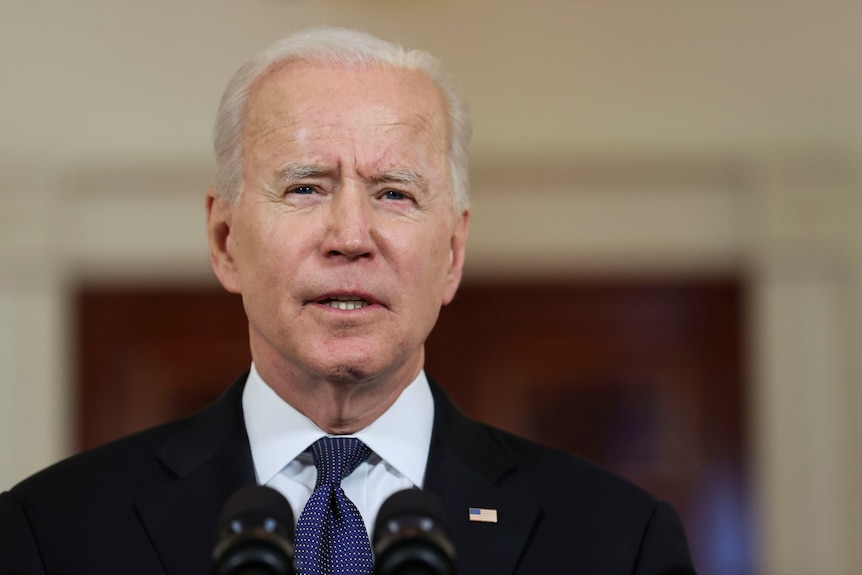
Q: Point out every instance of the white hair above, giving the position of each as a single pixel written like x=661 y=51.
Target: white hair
x=339 y=47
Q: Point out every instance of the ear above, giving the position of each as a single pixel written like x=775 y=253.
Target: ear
x=458 y=251
x=219 y=222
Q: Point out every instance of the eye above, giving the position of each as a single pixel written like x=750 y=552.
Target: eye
x=394 y=195
x=301 y=190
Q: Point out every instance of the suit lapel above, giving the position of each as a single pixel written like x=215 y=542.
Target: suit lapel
x=466 y=467
x=210 y=459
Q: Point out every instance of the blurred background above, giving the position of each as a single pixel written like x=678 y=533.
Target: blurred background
x=664 y=270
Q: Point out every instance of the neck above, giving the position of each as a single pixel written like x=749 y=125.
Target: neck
x=337 y=406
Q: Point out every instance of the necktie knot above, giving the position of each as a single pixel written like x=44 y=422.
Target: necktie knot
x=330 y=534
x=337 y=457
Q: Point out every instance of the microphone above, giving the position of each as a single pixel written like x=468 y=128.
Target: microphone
x=255 y=534
x=409 y=536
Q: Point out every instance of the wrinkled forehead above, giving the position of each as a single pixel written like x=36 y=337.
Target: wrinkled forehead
x=300 y=90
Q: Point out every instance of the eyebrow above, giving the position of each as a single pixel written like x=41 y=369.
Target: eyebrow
x=296 y=171
x=402 y=176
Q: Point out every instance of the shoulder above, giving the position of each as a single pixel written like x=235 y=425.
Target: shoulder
x=575 y=511
x=127 y=466
x=618 y=526
x=517 y=464
x=548 y=473
x=65 y=512
x=103 y=470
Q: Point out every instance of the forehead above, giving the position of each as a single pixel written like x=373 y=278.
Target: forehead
x=329 y=98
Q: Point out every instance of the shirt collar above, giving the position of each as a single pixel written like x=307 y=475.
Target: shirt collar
x=278 y=433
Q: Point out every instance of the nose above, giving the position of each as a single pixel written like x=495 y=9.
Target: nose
x=350 y=225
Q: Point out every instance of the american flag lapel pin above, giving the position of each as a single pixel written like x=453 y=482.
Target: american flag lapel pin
x=483 y=515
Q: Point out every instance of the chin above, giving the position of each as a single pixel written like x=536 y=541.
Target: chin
x=355 y=368
x=347 y=374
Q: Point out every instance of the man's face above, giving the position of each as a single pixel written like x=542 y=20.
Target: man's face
x=344 y=244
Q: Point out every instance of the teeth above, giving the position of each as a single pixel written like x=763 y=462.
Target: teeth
x=346 y=302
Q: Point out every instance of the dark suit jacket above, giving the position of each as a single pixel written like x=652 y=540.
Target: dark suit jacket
x=148 y=504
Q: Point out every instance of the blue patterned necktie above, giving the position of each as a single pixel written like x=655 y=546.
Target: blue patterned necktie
x=330 y=535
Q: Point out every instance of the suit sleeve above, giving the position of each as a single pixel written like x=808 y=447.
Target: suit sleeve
x=19 y=554
x=664 y=548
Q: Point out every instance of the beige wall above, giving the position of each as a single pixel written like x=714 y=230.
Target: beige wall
x=628 y=137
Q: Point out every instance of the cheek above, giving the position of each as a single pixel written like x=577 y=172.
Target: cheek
x=429 y=267
x=263 y=251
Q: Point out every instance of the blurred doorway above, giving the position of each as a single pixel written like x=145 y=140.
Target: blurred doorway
x=644 y=377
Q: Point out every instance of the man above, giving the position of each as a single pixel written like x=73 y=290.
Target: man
x=340 y=215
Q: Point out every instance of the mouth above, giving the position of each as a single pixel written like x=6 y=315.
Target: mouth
x=345 y=302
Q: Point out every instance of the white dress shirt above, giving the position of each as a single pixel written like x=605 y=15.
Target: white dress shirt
x=279 y=435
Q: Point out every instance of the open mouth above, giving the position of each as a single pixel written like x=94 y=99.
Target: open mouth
x=346 y=302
